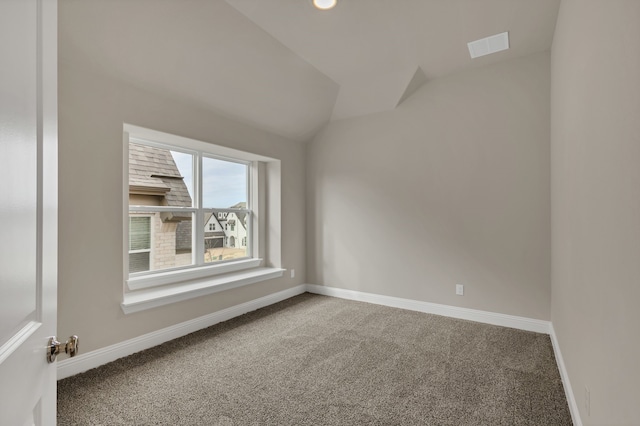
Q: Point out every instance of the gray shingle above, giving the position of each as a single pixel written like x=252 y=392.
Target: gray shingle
x=153 y=170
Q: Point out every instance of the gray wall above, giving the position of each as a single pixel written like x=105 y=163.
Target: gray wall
x=450 y=187
x=92 y=109
x=595 y=139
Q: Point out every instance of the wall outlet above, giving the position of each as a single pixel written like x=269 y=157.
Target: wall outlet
x=587 y=401
x=293 y=273
x=460 y=289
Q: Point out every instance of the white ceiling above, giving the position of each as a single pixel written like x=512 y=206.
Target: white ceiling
x=286 y=67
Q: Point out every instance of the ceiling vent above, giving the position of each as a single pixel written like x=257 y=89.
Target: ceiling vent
x=488 y=45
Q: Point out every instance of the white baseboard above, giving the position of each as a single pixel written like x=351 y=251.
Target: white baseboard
x=93 y=359
x=522 y=323
x=89 y=360
x=566 y=383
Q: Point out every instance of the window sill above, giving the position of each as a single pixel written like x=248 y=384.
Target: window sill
x=140 y=300
x=181 y=275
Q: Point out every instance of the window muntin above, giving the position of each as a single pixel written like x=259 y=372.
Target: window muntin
x=178 y=189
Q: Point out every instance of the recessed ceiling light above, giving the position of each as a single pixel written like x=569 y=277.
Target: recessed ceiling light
x=488 y=45
x=324 y=4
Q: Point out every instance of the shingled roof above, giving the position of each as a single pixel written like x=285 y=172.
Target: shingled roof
x=152 y=171
x=240 y=215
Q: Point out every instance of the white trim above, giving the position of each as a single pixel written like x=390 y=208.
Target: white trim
x=522 y=323
x=93 y=359
x=140 y=300
x=159 y=278
x=258 y=222
x=157 y=288
x=14 y=343
x=83 y=362
x=125 y=210
x=566 y=383
x=149 y=135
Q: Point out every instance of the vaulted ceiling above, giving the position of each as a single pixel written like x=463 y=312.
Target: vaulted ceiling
x=285 y=67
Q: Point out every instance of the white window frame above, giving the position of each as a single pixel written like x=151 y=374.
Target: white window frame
x=198 y=268
x=146 y=290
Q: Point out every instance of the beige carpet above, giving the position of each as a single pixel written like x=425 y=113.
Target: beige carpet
x=315 y=360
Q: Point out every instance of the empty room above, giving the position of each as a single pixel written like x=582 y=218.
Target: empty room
x=320 y=212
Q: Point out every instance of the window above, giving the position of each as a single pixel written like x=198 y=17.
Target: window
x=197 y=218
x=161 y=190
x=139 y=243
x=162 y=186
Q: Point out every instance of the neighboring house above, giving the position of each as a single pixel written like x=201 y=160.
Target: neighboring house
x=157 y=240
x=226 y=229
x=234 y=225
x=214 y=235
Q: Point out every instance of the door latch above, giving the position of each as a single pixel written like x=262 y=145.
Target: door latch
x=53 y=347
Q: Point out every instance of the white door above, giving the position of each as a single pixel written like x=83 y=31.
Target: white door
x=28 y=210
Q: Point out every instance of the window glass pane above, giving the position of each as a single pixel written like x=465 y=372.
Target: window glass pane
x=227 y=238
x=184 y=162
x=159 y=177
x=165 y=178
x=224 y=184
x=138 y=262
x=167 y=242
x=139 y=233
